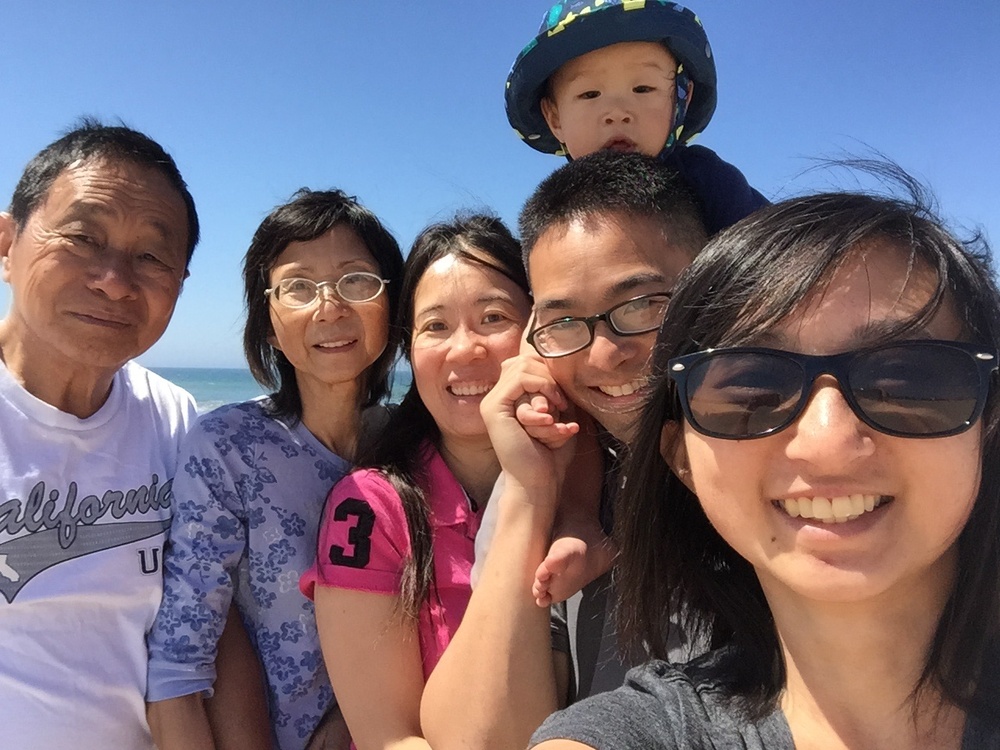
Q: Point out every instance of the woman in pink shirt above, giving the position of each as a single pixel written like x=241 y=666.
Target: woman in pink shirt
x=391 y=581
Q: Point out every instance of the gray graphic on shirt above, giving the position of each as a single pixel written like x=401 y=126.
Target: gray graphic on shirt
x=58 y=532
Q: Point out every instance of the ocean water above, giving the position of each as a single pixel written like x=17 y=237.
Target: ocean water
x=214 y=386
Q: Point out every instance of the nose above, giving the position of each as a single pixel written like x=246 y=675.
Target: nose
x=617 y=111
x=329 y=305
x=609 y=351
x=828 y=434
x=465 y=345
x=114 y=275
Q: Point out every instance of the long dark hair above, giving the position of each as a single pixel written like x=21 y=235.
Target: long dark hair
x=396 y=452
x=308 y=215
x=748 y=279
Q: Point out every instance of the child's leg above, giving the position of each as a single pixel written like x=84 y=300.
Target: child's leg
x=580 y=550
x=580 y=554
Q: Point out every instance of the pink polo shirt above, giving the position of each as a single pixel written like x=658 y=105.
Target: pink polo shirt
x=364 y=543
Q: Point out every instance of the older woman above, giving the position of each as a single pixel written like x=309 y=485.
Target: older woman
x=322 y=278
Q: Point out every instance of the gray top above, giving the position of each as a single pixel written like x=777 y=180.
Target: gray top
x=667 y=707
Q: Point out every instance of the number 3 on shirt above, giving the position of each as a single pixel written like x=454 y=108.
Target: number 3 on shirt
x=358 y=536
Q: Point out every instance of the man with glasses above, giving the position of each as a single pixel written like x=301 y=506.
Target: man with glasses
x=95 y=248
x=605 y=238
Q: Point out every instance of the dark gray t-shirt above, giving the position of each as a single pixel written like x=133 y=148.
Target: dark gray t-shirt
x=667 y=707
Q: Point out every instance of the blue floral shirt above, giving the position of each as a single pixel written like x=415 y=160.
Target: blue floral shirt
x=248 y=497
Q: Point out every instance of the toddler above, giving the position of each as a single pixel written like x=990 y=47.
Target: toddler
x=625 y=75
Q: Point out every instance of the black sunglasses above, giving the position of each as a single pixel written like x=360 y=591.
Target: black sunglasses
x=912 y=389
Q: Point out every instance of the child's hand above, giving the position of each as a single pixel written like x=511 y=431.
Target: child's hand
x=541 y=421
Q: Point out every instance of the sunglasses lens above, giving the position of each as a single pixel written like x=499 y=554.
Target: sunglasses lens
x=744 y=394
x=916 y=389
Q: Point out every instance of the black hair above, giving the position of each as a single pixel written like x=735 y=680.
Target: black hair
x=608 y=183
x=90 y=140
x=310 y=214
x=480 y=239
x=748 y=279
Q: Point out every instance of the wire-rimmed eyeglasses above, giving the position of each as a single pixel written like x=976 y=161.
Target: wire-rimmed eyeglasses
x=357 y=286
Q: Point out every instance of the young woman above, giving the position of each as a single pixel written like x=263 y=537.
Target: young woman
x=391 y=580
x=830 y=517
x=322 y=279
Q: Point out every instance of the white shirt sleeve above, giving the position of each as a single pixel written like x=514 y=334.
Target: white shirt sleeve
x=487 y=527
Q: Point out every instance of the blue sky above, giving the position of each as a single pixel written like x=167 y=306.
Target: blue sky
x=401 y=104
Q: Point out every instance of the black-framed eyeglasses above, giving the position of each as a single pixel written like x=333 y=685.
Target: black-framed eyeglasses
x=357 y=286
x=569 y=335
x=912 y=389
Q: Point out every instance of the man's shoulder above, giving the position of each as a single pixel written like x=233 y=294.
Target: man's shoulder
x=156 y=393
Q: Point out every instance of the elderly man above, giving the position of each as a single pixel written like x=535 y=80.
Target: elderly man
x=95 y=248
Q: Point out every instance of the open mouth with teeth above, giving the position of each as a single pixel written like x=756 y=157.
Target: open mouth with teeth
x=469 y=389
x=626 y=389
x=832 y=509
x=328 y=345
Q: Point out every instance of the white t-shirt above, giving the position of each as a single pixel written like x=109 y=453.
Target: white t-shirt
x=84 y=508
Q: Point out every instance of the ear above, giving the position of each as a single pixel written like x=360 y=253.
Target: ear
x=551 y=114
x=674 y=452
x=180 y=286
x=526 y=349
x=7 y=232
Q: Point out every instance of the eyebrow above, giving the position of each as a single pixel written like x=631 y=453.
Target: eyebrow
x=295 y=267
x=484 y=300
x=86 y=210
x=617 y=289
x=649 y=64
x=874 y=332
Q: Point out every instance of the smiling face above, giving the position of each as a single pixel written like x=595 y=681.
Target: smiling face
x=97 y=268
x=584 y=268
x=467 y=320
x=328 y=342
x=619 y=97
x=904 y=500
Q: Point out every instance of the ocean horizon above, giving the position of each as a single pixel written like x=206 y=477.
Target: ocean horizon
x=213 y=387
